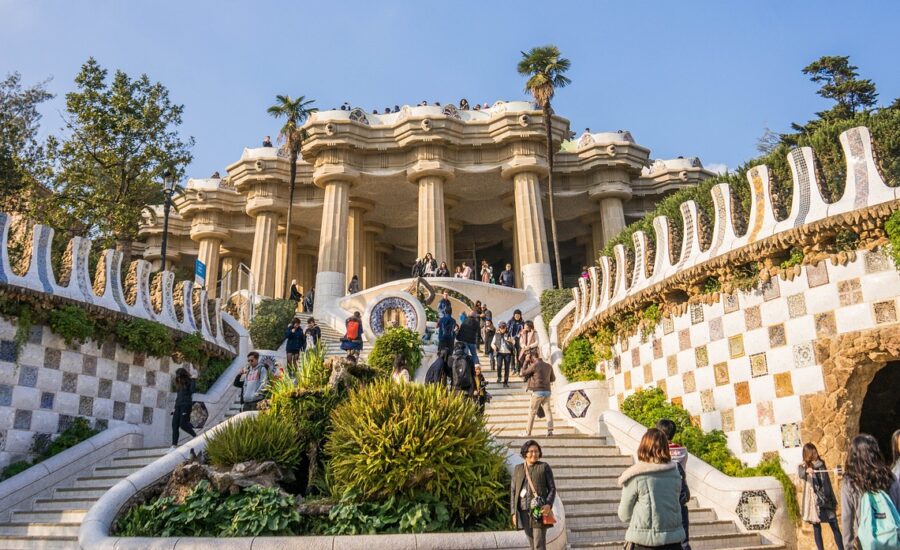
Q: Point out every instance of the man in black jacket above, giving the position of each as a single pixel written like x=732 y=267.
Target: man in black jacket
x=468 y=334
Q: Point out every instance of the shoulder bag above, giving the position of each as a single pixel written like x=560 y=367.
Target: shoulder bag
x=537 y=501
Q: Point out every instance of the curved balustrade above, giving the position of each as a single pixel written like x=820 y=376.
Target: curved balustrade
x=613 y=281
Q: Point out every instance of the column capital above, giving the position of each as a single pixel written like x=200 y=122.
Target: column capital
x=519 y=164
x=424 y=168
x=202 y=231
x=610 y=190
x=359 y=203
x=335 y=173
x=374 y=227
x=450 y=201
x=297 y=232
x=308 y=250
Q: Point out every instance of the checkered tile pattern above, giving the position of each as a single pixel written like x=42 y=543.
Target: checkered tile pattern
x=54 y=383
x=741 y=365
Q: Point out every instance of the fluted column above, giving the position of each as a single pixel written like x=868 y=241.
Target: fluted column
x=531 y=235
x=432 y=228
x=355 y=241
x=209 y=255
x=306 y=270
x=265 y=245
x=612 y=218
x=333 y=243
x=368 y=276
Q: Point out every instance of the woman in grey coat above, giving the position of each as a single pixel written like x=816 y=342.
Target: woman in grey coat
x=527 y=505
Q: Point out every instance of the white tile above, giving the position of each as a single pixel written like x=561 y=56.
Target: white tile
x=854 y=318
x=49 y=380
x=103 y=408
x=7 y=415
x=739 y=369
x=780 y=359
x=133 y=413
x=18 y=441
x=658 y=366
x=791 y=457
x=705 y=378
x=9 y=375
x=724 y=397
x=121 y=391
x=880 y=286
x=787 y=409
x=808 y=380
x=774 y=311
x=734 y=443
x=821 y=298
x=106 y=368
x=799 y=330
x=745 y=417
x=44 y=421
x=711 y=421
x=675 y=386
x=123 y=355
x=136 y=375
x=762 y=389
x=32 y=354
x=756 y=341
x=699 y=334
x=691 y=403
x=70 y=361
x=733 y=323
x=88 y=385
x=768 y=438
x=66 y=403
x=717 y=351
x=26 y=398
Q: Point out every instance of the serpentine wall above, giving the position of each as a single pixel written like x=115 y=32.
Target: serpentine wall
x=789 y=356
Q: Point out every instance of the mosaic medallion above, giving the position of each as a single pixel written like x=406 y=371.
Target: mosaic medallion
x=578 y=404
x=393 y=311
x=756 y=510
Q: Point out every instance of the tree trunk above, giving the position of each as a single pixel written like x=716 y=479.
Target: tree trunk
x=124 y=246
x=548 y=125
x=287 y=230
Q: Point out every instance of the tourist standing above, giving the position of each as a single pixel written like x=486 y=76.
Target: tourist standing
x=439 y=371
x=352 y=341
x=462 y=370
x=457 y=272
x=418 y=268
x=486 y=272
x=442 y=270
x=252 y=381
x=184 y=399
x=818 y=502
x=446 y=330
x=468 y=335
x=353 y=287
x=295 y=341
x=679 y=456
x=487 y=336
x=313 y=333
x=295 y=292
x=267 y=142
x=650 y=492
x=507 y=278
x=310 y=300
x=444 y=304
x=503 y=347
x=539 y=375
x=429 y=266
x=400 y=374
x=527 y=340
x=531 y=495
x=467 y=272
x=480 y=394
x=868 y=483
x=514 y=327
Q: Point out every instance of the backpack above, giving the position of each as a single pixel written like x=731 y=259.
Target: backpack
x=879 y=523
x=352 y=330
x=462 y=376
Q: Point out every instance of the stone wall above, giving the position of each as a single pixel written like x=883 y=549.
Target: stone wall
x=48 y=383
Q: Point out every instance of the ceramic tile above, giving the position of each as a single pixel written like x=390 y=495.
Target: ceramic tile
x=36 y=335
x=736 y=346
x=849 y=292
x=657 y=348
x=164 y=364
x=63 y=422
x=8 y=351
x=783 y=385
x=147 y=416
x=817 y=275
x=108 y=350
x=118 y=410
x=22 y=420
x=678 y=401
x=28 y=376
x=104 y=389
x=777 y=336
x=825 y=324
x=52 y=358
x=672 y=365
x=752 y=318
x=731 y=302
x=721 y=373
x=47 y=399
x=876 y=261
x=742 y=393
x=696 y=313
x=771 y=289
x=661 y=384
x=628 y=380
x=716 y=332
x=648 y=373
x=636 y=356
x=668 y=325
x=689 y=382
x=684 y=339
x=89 y=365
x=122 y=372
x=885 y=312
x=796 y=305
x=135 y=395
x=150 y=378
x=139 y=359
x=766 y=413
x=85 y=406
x=804 y=356
x=748 y=441
x=707 y=403
x=69 y=382
x=6 y=392
x=790 y=435
x=727 y=420
x=701 y=356
x=758 y=365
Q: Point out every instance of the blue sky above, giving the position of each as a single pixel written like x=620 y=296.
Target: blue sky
x=687 y=78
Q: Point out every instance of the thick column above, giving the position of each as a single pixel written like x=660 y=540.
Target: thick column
x=229 y=275
x=209 y=255
x=306 y=270
x=333 y=243
x=381 y=254
x=531 y=235
x=368 y=276
x=355 y=244
x=612 y=218
x=265 y=245
x=597 y=240
x=432 y=218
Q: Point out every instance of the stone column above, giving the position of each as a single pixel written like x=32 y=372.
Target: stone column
x=265 y=248
x=284 y=290
x=510 y=225
x=356 y=239
x=381 y=253
x=209 y=255
x=432 y=230
x=333 y=243
x=531 y=234
x=306 y=271
x=610 y=197
x=229 y=275
x=369 y=275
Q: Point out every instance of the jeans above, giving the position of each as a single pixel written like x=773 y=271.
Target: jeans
x=835 y=530
x=540 y=399
x=503 y=361
x=181 y=419
x=517 y=366
x=473 y=351
x=686 y=524
x=537 y=538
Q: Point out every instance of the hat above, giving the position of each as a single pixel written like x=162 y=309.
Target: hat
x=502 y=324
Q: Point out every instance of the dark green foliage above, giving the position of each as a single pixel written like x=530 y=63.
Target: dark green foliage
x=144 y=336
x=393 y=341
x=892 y=228
x=712 y=285
x=422 y=513
x=272 y=318
x=72 y=323
x=191 y=348
x=403 y=439
x=579 y=361
x=430 y=314
x=796 y=258
x=648 y=406
x=552 y=301
x=846 y=240
x=255 y=511
x=261 y=437
x=211 y=372
x=78 y=431
x=14 y=468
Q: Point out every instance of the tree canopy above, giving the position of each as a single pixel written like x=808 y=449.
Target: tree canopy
x=21 y=155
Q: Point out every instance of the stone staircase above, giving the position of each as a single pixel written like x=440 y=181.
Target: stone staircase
x=53 y=521
x=586 y=469
x=332 y=339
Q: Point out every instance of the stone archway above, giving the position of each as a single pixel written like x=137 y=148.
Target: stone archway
x=849 y=364
x=881 y=408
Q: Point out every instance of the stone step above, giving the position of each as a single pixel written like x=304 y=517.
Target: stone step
x=744 y=541
x=55 y=516
x=80 y=492
x=133 y=460
x=43 y=543
x=589 y=492
x=61 y=504
x=539 y=432
x=592 y=519
x=96 y=482
x=117 y=471
x=587 y=484
x=148 y=451
x=36 y=529
x=582 y=505
x=551 y=451
x=616 y=532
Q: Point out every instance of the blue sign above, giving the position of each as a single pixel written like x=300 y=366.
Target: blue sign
x=200 y=273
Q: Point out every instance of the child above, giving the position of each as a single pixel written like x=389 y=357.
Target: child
x=480 y=393
x=819 y=502
x=679 y=456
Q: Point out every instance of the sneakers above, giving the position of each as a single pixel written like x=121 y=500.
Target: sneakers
x=172 y=448
x=549 y=433
x=524 y=434
x=505 y=385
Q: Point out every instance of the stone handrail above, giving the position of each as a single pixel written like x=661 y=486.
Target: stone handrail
x=95 y=528
x=613 y=284
x=20 y=488
x=223 y=393
x=108 y=290
x=709 y=486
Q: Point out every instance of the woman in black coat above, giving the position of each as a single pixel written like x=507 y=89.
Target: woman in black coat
x=530 y=501
x=184 y=399
x=819 y=502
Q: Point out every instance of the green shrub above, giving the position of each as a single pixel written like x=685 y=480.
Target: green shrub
x=404 y=439
x=271 y=319
x=78 y=431
x=191 y=348
x=398 y=514
x=261 y=437
x=14 y=468
x=711 y=285
x=254 y=511
x=649 y=406
x=796 y=258
x=144 y=336
x=892 y=228
x=72 y=323
x=579 y=361
x=552 y=301
x=396 y=340
x=211 y=372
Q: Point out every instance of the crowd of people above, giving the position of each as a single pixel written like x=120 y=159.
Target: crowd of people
x=428 y=266
x=463 y=106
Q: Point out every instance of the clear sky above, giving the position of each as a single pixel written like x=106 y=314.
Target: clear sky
x=687 y=78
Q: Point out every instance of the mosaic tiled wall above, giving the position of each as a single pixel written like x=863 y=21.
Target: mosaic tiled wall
x=741 y=364
x=54 y=383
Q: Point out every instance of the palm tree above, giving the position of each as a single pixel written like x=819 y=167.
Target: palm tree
x=545 y=70
x=295 y=112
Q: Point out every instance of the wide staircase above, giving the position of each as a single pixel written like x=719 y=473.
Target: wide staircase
x=55 y=518
x=586 y=469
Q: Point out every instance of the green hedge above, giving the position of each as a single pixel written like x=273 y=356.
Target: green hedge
x=271 y=319
x=78 y=431
x=649 y=406
x=579 y=361
x=892 y=228
x=552 y=301
x=396 y=340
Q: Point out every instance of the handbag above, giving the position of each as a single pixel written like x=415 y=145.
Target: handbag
x=547 y=518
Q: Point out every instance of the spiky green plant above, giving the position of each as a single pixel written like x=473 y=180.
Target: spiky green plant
x=261 y=437
x=389 y=439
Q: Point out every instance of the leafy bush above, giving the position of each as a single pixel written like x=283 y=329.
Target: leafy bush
x=404 y=439
x=398 y=514
x=72 y=323
x=211 y=372
x=892 y=228
x=648 y=406
x=711 y=285
x=272 y=317
x=579 y=361
x=552 y=301
x=78 y=431
x=254 y=511
x=261 y=437
x=396 y=340
x=144 y=336
x=191 y=348
x=796 y=258
x=15 y=468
